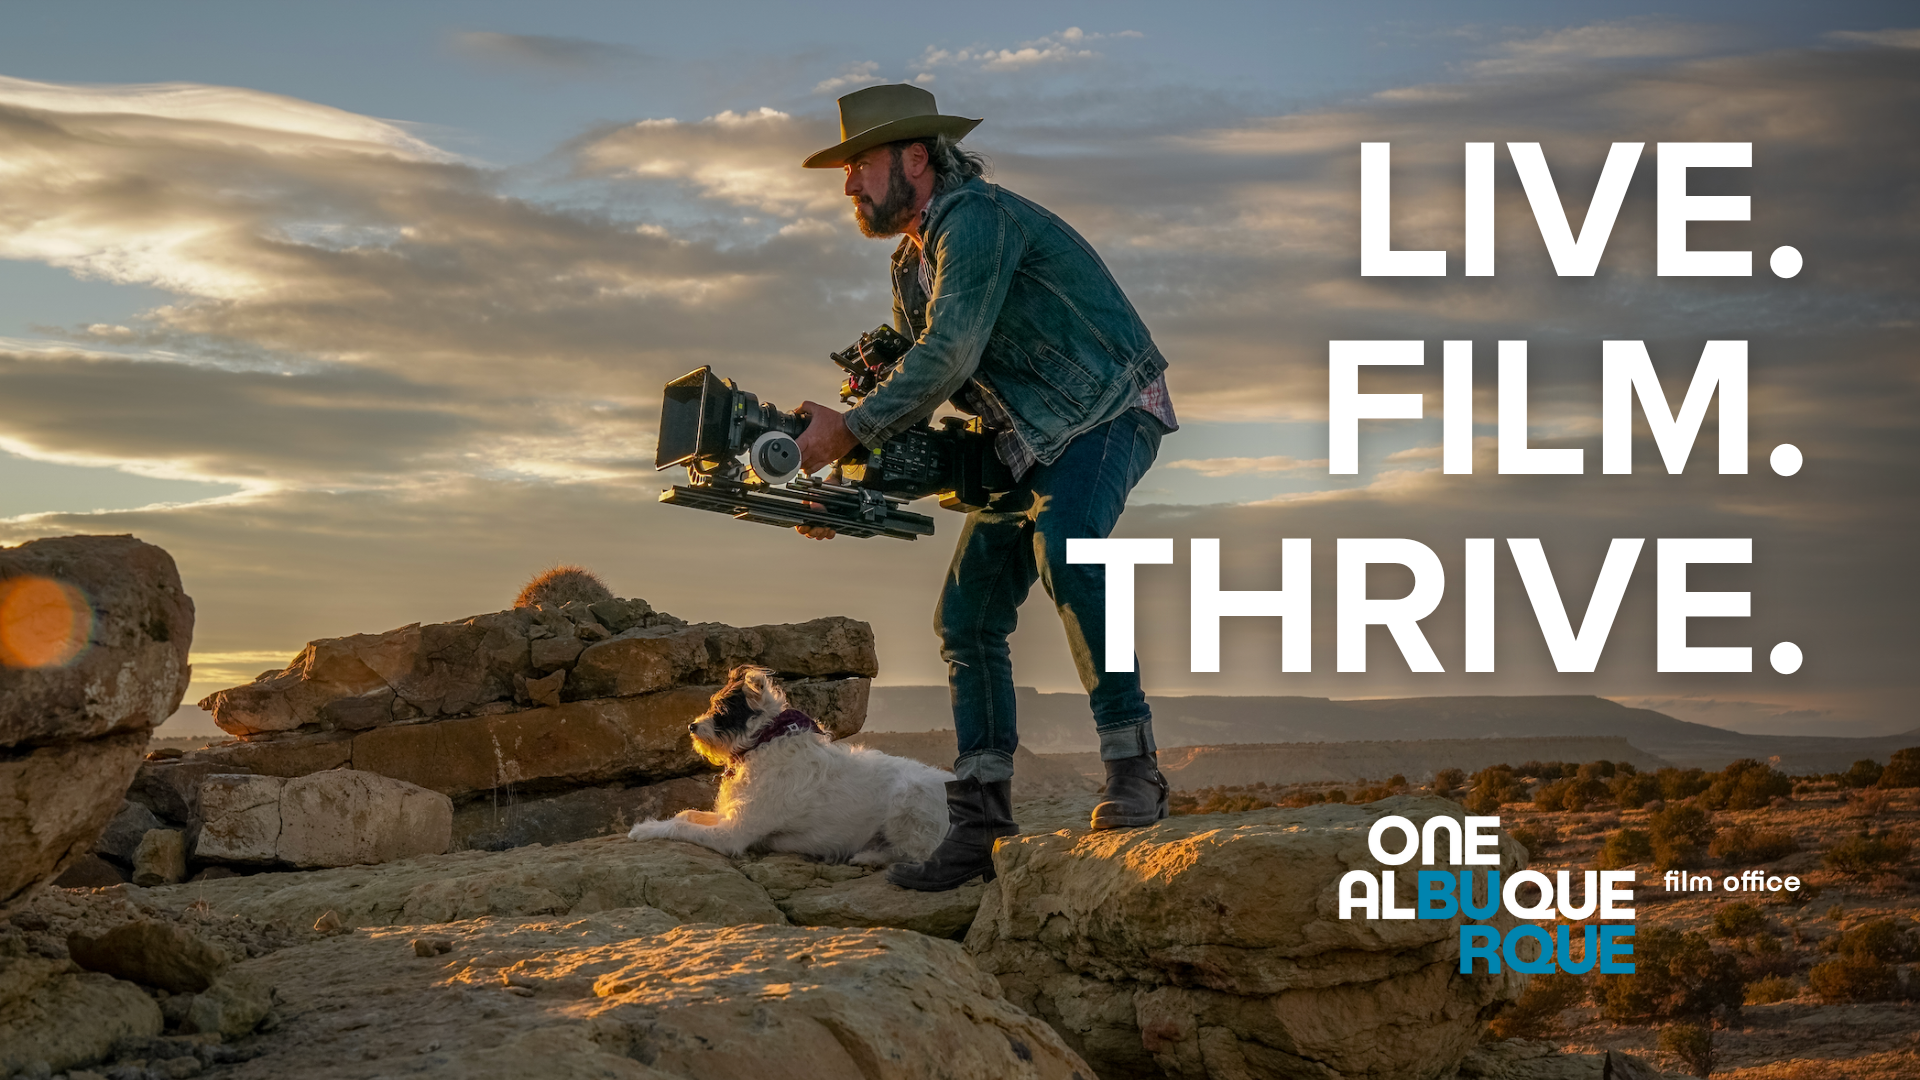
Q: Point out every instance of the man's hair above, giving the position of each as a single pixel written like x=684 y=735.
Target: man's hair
x=952 y=165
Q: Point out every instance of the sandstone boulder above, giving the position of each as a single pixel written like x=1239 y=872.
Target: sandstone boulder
x=161 y=858
x=826 y=894
x=508 y=659
x=152 y=953
x=124 y=833
x=73 y=1020
x=1211 y=946
x=94 y=633
x=341 y=817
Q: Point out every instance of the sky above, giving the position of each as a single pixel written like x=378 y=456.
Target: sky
x=363 y=311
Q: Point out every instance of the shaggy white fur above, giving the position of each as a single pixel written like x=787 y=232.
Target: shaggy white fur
x=803 y=793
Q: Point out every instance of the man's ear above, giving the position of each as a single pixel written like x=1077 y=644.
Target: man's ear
x=913 y=160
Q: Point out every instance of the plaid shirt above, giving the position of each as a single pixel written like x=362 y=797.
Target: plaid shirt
x=1007 y=443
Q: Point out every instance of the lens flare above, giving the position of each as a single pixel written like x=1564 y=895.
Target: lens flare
x=43 y=623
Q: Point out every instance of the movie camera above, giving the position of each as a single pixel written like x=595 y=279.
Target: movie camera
x=708 y=424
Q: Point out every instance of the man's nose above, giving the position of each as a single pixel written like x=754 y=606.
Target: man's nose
x=850 y=187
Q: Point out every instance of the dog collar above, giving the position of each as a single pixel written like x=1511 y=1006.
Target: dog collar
x=786 y=723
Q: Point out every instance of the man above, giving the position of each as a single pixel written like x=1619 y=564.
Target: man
x=1015 y=319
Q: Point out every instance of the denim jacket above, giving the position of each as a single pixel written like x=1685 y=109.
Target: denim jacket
x=1023 y=309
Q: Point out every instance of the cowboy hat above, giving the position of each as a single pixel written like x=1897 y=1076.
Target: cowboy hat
x=884 y=114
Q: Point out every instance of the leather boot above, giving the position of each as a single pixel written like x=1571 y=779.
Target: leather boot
x=1136 y=793
x=977 y=815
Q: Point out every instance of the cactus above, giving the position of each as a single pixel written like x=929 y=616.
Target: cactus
x=563 y=585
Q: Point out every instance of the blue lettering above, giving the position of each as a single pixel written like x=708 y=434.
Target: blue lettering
x=1564 y=937
x=1480 y=911
x=1479 y=943
x=1436 y=895
x=1612 y=946
x=1540 y=966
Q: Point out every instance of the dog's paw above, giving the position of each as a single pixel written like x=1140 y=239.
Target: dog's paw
x=874 y=857
x=650 y=830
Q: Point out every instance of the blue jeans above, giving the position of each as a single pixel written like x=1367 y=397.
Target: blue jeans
x=1020 y=537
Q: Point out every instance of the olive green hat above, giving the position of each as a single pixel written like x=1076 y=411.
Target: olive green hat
x=883 y=114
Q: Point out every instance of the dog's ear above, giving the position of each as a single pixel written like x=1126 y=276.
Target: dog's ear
x=759 y=685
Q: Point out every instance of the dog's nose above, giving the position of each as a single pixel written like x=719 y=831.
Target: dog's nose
x=693 y=725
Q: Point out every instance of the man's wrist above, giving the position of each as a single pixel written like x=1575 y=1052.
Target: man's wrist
x=856 y=421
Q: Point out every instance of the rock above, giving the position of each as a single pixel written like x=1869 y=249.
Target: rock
x=343 y=817
x=1034 y=776
x=1210 y=946
x=1527 y=1059
x=617 y=994
x=691 y=884
x=820 y=648
x=579 y=743
x=285 y=755
x=124 y=833
x=131 y=668
x=638 y=662
x=94 y=633
x=359 y=712
x=233 y=1006
x=488 y=825
x=54 y=803
x=828 y=894
x=434 y=946
x=546 y=690
x=161 y=858
x=838 y=705
x=171 y=789
x=73 y=1020
x=90 y=872
x=152 y=953
x=22 y=976
x=554 y=653
x=240 y=818
x=340 y=817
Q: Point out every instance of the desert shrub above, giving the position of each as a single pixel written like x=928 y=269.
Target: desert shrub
x=1880 y=939
x=1692 y=1044
x=1675 y=975
x=1298 y=799
x=1679 y=834
x=1493 y=787
x=1681 y=783
x=1868 y=852
x=1770 y=989
x=1762 y=957
x=1595 y=770
x=1853 y=978
x=1535 y=838
x=1546 y=770
x=1863 y=774
x=1746 y=785
x=1738 y=920
x=1744 y=844
x=1336 y=795
x=563 y=585
x=1634 y=790
x=1547 y=796
x=1625 y=848
x=1447 y=780
x=1867 y=803
x=1903 y=769
x=1546 y=997
x=1395 y=785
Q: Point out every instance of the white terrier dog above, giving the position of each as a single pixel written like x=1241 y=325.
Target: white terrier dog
x=789 y=787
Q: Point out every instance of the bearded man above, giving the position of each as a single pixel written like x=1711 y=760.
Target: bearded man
x=1014 y=319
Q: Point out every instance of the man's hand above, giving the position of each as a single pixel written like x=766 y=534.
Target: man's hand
x=826 y=439
x=815 y=532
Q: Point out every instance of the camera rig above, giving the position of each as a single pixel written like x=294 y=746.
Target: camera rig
x=707 y=424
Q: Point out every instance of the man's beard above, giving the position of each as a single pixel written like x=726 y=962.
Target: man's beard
x=891 y=215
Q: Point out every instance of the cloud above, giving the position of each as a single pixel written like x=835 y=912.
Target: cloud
x=861 y=74
x=564 y=54
x=1555 y=50
x=1904 y=38
x=1066 y=46
x=1241 y=466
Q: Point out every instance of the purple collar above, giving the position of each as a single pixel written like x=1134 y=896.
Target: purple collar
x=786 y=723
